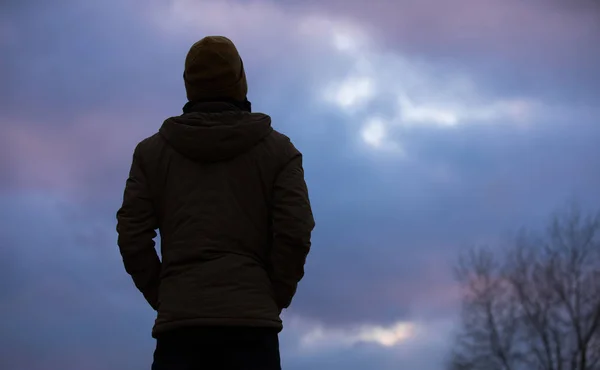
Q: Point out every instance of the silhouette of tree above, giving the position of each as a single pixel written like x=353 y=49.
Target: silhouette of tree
x=535 y=305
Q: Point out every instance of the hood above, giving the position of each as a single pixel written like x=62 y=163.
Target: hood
x=209 y=136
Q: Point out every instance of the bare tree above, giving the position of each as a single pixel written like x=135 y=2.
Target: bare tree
x=535 y=305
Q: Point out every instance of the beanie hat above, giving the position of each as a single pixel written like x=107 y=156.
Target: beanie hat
x=214 y=70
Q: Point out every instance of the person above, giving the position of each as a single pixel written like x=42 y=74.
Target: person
x=228 y=196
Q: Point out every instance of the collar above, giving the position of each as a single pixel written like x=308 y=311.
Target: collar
x=217 y=106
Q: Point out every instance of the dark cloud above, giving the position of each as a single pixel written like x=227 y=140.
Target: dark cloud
x=72 y=57
x=69 y=304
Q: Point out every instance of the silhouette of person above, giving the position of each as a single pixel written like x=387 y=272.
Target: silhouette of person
x=227 y=193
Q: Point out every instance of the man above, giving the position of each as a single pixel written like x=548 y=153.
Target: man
x=228 y=195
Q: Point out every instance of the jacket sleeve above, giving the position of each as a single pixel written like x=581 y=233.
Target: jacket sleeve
x=136 y=228
x=292 y=224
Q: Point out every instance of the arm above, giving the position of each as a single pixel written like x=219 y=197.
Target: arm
x=136 y=225
x=292 y=226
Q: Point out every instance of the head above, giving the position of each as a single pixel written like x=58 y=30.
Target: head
x=214 y=70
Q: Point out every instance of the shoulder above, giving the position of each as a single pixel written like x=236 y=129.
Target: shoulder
x=149 y=148
x=149 y=143
x=148 y=151
x=282 y=144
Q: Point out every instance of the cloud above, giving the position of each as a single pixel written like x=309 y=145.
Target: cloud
x=75 y=66
x=418 y=139
x=418 y=344
x=374 y=133
x=351 y=93
x=265 y=27
x=68 y=294
x=77 y=157
x=418 y=93
x=513 y=30
x=518 y=47
x=384 y=336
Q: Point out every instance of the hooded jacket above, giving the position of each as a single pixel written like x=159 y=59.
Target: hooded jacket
x=227 y=193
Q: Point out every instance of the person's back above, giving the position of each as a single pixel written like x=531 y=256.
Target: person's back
x=227 y=193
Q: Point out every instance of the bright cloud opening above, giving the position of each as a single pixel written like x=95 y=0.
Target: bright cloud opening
x=385 y=336
x=423 y=95
x=374 y=132
x=351 y=93
x=413 y=113
x=455 y=113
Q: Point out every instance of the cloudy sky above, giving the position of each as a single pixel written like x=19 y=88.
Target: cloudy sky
x=426 y=126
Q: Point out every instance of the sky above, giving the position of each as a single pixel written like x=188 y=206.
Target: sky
x=426 y=127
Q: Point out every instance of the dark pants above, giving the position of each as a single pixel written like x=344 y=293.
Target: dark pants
x=218 y=348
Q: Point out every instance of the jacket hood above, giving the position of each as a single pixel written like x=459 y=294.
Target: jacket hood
x=215 y=135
